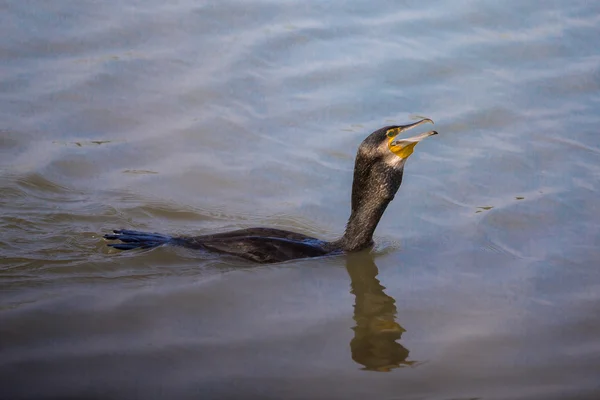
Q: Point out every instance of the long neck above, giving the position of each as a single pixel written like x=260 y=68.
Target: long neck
x=361 y=226
x=372 y=190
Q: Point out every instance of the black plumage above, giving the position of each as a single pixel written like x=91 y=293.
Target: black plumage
x=378 y=171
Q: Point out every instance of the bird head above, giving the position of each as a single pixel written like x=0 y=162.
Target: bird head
x=384 y=144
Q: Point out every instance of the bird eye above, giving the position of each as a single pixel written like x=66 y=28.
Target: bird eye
x=391 y=132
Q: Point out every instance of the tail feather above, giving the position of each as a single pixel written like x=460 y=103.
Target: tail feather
x=136 y=239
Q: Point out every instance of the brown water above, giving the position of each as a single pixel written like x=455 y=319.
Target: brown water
x=197 y=117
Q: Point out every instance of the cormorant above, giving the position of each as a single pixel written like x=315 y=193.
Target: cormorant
x=378 y=173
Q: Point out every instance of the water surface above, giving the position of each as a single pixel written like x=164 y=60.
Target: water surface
x=196 y=117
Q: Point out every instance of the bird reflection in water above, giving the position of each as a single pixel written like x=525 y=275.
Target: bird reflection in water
x=376 y=331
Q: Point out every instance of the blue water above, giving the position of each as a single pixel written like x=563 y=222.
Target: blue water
x=197 y=117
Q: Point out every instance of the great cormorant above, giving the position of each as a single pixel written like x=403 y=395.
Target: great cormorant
x=378 y=173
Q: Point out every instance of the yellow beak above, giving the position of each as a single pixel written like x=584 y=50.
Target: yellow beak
x=403 y=148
